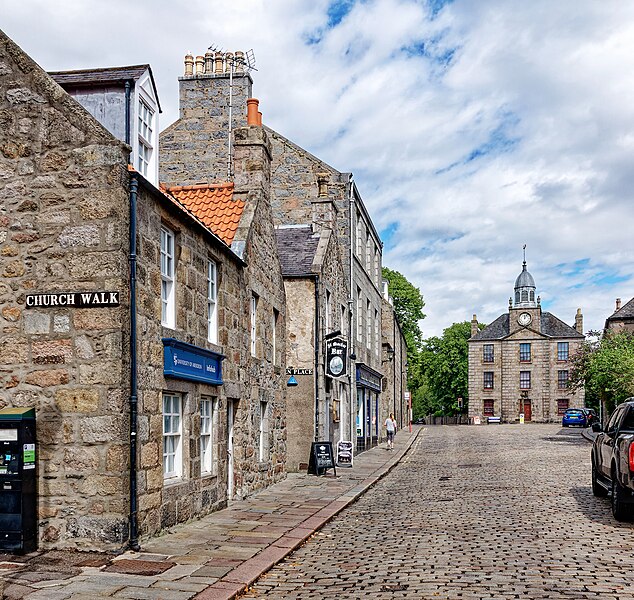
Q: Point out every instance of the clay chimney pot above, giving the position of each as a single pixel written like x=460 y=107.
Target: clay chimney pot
x=260 y=118
x=218 y=63
x=228 y=61
x=200 y=65
x=209 y=62
x=252 y=111
x=189 y=65
x=239 y=61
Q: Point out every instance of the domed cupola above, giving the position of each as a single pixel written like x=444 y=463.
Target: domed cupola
x=525 y=289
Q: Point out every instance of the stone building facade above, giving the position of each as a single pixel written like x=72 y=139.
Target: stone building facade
x=394 y=359
x=622 y=319
x=317 y=305
x=70 y=208
x=519 y=364
x=201 y=136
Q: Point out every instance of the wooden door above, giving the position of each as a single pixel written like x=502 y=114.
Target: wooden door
x=527 y=409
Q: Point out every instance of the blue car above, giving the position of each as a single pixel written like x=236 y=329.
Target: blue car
x=574 y=416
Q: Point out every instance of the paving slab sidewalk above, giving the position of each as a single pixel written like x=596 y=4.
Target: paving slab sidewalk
x=213 y=558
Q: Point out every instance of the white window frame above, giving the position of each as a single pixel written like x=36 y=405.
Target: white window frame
x=264 y=431
x=168 y=278
x=368 y=325
x=254 y=314
x=376 y=332
x=172 y=435
x=208 y=412
x=274 y=323
x=359 y=315
x=212 y=301
x=146 y=137
x=343 y=324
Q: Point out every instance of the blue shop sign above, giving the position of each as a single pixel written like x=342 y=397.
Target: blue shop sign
x=366 y=377
x=186 y=361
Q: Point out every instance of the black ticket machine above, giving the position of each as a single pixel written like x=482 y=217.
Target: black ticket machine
x=18 y=483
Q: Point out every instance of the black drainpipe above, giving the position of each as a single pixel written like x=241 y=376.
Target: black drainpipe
x=127 y=112
x=316 y=358
x=134 y=539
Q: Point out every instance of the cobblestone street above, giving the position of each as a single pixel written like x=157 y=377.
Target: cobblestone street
x=471 y=512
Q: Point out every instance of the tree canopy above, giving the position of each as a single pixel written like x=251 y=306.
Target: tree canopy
x=605 y=367
x=445 y=367
x=408 y=306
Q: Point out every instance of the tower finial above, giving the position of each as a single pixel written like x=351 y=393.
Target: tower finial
x=524 y=263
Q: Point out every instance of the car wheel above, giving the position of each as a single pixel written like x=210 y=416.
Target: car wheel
x=620 y=510
x=564 y=425
x=597 y=489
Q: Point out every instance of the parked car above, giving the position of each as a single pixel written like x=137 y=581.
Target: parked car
x=613 y=460
x=420 y=421
x=591 y=416
x=574 y=416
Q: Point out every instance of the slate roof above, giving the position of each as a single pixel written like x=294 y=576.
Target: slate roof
x=296 y=247
x=214 y=205
x=625 y=312
x=551 y=326
x=110 y=75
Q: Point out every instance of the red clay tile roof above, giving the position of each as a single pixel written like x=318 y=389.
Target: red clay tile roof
x=214 y=205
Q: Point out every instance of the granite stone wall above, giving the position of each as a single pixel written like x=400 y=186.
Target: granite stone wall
x=63 y=216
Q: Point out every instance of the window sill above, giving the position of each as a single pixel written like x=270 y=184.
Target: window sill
x=173 y=481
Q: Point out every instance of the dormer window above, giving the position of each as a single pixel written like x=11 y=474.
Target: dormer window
x=146 y=137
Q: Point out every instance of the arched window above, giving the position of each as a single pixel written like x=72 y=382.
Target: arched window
x=517 y=297
x=532 y=296
x=524 y=296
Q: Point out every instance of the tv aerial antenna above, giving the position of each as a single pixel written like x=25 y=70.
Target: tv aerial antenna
x=235 y=62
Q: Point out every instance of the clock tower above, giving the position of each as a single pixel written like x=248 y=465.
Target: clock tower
x=525 y=309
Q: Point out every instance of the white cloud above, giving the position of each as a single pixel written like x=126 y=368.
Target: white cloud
x=503 y=123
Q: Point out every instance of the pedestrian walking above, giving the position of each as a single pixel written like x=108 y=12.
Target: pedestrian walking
x=390 y=427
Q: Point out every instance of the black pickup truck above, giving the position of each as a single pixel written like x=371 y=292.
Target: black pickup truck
x=613 y=460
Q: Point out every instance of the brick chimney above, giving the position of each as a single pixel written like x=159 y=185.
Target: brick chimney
x=196 y=147
x=474 y=325
x=579 y=321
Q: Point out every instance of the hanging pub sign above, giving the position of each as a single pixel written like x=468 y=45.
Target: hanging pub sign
x=73 y=300
x=336 y=357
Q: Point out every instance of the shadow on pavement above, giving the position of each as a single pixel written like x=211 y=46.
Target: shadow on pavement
x=596 y=509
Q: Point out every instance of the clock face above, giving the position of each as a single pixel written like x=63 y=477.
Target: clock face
x=336 y=365
x=524 y=319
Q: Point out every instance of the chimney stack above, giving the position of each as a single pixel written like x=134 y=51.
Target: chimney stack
x=618 y=304
x=579 y=321
x=324 y=209
x=474 y=325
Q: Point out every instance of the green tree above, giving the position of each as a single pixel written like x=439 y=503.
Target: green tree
x=408 y=306
x=445 y=365
x=605 y=367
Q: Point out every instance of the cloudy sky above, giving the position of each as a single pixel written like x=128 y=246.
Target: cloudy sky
x=471 y=128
